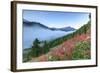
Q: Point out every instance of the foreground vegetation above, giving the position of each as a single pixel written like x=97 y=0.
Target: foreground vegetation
x=81 y=51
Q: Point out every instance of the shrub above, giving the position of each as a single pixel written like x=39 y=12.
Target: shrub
x=53 y=58
x=80 y=51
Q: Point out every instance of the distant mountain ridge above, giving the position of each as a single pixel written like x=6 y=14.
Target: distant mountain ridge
x=64 y=29
x=31 y=23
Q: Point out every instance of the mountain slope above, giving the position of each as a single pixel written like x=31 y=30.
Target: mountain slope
x=83 y=30
x=66 y=47
x=65 y=50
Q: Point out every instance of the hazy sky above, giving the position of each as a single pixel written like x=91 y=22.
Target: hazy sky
x=57 y=19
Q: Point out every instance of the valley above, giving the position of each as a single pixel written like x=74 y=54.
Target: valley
x=73 y=46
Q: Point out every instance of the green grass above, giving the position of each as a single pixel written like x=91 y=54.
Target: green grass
x=80 y=51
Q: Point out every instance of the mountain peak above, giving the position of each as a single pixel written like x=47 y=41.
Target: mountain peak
x=69 y=28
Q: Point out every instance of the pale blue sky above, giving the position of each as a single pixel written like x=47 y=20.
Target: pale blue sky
x=57 y=19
